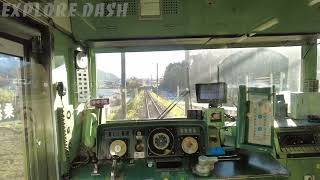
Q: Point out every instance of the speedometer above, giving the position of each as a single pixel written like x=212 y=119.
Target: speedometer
x=161 y=141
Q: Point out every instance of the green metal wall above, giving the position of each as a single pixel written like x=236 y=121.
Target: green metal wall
x=198 y=18
x=64 y=48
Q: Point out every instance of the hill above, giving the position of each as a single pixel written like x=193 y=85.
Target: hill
x=104 y=76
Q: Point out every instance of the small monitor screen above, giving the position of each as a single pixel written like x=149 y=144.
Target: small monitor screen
x=213 y=92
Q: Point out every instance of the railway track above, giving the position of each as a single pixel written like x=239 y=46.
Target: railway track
x=153 y=110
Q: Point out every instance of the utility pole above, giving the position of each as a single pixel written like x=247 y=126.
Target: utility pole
x=157 y=86
x=188 y=96
x=218 y=73
x=123 y=86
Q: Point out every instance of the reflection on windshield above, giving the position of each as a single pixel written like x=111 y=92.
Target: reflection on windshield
x=11 y=124
x=157 y=80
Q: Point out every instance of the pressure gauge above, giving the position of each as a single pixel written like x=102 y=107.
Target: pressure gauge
x=118 y=148
x=81 y=60
x=189 y=145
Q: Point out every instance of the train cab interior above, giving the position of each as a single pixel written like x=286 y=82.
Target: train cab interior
x=159 y=89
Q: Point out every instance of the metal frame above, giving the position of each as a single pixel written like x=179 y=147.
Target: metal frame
x=39 y=119
x=23 y=46
x=242 y=125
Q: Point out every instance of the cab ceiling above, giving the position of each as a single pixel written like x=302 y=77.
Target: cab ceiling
x=202 y=22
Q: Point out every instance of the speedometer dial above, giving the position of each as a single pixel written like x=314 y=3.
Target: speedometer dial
x=161 y=141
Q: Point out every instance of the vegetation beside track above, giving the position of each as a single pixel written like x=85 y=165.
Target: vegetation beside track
x=136 y=107
x=177 y=112
x=12 y=150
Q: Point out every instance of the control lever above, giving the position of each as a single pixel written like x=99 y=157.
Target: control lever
x=99 y=104
x=94 y=161
x=205 y=166
x=114 y=173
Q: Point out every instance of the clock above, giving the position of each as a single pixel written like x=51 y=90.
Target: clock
x=81 y=60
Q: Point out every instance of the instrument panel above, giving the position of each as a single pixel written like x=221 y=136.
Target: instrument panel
x=299 y=142
x=151 y=139
x=304 y=139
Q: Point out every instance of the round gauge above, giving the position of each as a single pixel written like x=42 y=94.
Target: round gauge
x=82 y=60
x=189 y=145
x=118 y=148
x=161 y=142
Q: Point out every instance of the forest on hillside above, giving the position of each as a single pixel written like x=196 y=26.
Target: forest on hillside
x=259 y=66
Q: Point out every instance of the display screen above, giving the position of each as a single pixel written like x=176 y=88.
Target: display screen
x=213 y=92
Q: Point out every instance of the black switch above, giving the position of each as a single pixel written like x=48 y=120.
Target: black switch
x=194 y=114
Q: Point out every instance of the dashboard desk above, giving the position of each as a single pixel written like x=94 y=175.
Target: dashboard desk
x=249 y=165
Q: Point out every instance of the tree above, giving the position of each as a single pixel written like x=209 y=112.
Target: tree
x=134 y=83
x=6 y=96
x=175 y=75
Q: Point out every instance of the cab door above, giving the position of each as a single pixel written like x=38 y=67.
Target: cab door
x=12 y=126
x=27 y=130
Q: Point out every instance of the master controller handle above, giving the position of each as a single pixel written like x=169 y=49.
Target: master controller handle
x=114 y=169
x=205 y=166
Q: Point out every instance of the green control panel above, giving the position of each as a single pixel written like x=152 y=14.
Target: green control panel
x=215 y=118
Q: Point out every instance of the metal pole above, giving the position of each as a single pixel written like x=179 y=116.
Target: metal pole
x=178 y=91
x=282 y=76
x=123 y=86
x=157 y=79
x=247 y=80
x=188 y=96
x=218 y=73
x=309 y=65
x=150 y=84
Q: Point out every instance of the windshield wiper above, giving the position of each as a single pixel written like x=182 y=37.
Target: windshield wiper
x=173 y=104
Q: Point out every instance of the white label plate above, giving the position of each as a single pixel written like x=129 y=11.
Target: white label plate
x=139 y=155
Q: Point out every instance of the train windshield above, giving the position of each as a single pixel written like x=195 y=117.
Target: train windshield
x=144 y=85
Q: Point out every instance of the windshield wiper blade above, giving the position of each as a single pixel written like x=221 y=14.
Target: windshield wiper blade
x=173 y=104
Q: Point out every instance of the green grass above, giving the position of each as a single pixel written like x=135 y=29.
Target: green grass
x=114 y=113
x=135 y=106
x=13 y=125
x=12 y=150
x=177 y=112
x=133 y=109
